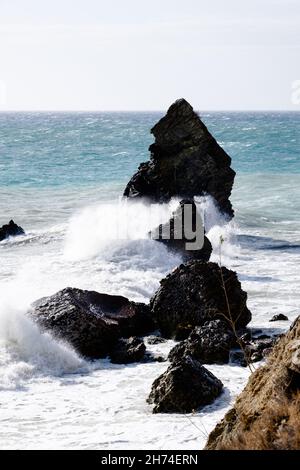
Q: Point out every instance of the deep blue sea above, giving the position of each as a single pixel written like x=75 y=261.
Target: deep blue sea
x=61 y=175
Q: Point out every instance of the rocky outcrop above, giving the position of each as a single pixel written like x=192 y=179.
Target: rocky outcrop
x=194 y=293
x=209 y=344
x=175 y=234
x=185 y=161
x=10 y=230
x=128 y=350
x=184 y=387
x=266 y=415
x=90 y=321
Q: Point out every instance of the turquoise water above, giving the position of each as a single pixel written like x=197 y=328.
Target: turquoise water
x=85 y=149
x=53 y=163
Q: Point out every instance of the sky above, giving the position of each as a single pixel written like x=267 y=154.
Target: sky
x=144 y=54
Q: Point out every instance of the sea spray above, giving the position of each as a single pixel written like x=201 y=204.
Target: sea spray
x=104 y=228
x=26 y=351
x=219 y=228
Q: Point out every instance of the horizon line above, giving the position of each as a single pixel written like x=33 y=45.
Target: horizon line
x=2 y=111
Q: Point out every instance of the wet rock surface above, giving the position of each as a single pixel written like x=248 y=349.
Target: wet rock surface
x=194 y=293
x=92 y=322
x=279 y=317
x=209 y=344
x=178 y=233
x=10 y=230
x=128 y=350
x=184 y=387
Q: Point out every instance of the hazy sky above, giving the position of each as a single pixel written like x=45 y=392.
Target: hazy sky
x=143 y=54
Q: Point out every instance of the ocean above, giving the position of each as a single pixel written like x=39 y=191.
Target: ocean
x=61 y=177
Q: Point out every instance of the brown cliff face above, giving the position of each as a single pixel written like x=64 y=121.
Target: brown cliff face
x=266 y=415
x=185 y=161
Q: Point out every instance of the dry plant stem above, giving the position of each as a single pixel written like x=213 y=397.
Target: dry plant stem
x=228 y=316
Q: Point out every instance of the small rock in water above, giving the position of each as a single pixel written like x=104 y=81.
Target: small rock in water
x=155 y=339
x=10 y=230
x=173 y=233
x=279 y=317
x=128 y=350
x=209 y=344
x=184 y=387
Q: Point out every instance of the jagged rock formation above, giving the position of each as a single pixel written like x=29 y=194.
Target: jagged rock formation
x=266 y=415
x=10 y=230
x=174 y=235
x=194 y=293
x=185 y=386
x=185 y=161
x=90 y=321
x=209 y=344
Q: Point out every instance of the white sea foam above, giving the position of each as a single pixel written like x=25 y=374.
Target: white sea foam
x=105 y=228
x=49 y=389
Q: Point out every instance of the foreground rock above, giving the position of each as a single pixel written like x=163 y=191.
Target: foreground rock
x=266 y=415
x=174 y=233
x=128 y=350
x=185 y=386
x=209 y=344
x=90 y=321
x=10 y=230
x=194 y=293
x=185 y=161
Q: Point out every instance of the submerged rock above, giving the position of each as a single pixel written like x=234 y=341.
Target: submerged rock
x=128 y=350
x=279 y=317
x=194 y=293
x=266 y=415
x=90 y=321
x=185 y=161
x=174 y=233
x=255 y=349
x=10 y=230
x=155 y=339
x=209 y=344
x=185 y=386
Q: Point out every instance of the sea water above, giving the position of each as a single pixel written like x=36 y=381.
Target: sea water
x=61 y=176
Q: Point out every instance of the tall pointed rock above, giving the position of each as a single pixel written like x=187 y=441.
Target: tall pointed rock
x=185 y=161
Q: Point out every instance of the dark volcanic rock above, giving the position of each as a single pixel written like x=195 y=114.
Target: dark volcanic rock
x=209 y=344
x=185 y=386
x=185 y=161
x=128 y=350
x=174 y=233
x=194 y=293
x=279 y=317
x=10 y=230
x=90 y=321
